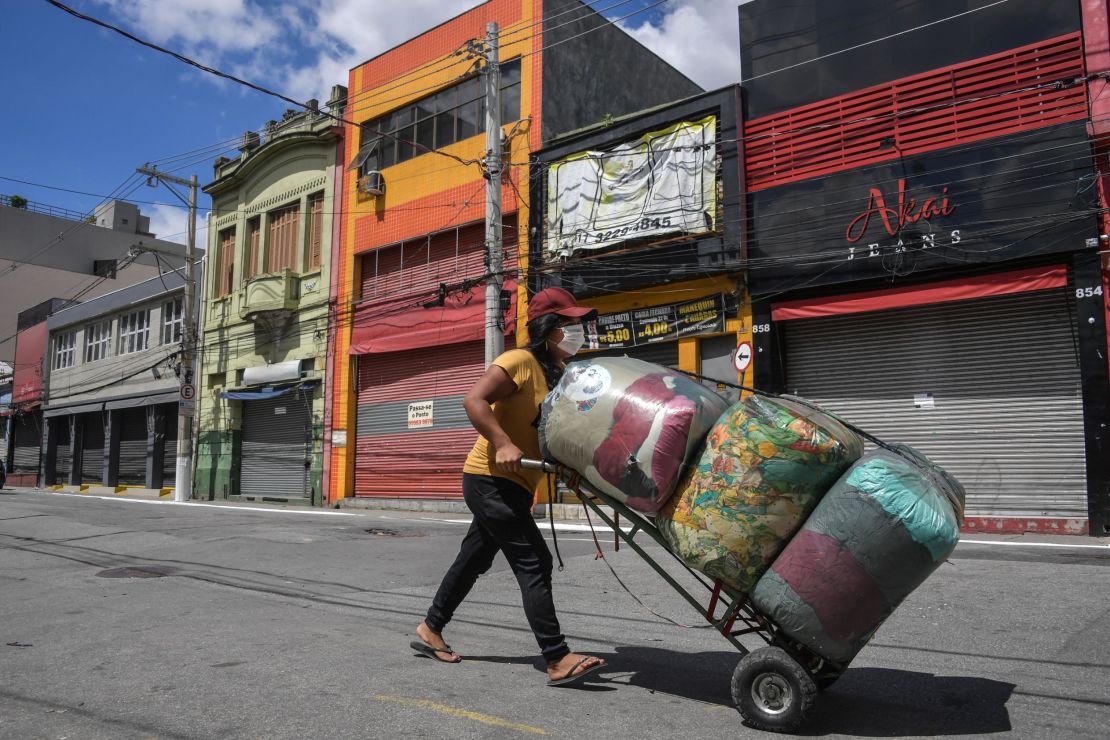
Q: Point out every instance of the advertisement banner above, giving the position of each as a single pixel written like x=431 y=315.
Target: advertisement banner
x=662 y=183
x=657 y=324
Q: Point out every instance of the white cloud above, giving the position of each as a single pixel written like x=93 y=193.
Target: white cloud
x=212 y=26
x=303 y=47
x=348 y=33
x=172 y=223
x=700 y=38
x=300 y=47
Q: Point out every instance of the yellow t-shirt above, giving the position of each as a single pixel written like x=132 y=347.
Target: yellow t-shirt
x=518 y=415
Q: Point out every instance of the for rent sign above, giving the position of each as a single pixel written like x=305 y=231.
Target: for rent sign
x=421 y=414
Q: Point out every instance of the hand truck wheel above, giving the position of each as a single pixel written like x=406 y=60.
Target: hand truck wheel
x=771 y=690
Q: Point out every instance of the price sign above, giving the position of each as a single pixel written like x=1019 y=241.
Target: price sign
x=658 y=323
x=614 y=330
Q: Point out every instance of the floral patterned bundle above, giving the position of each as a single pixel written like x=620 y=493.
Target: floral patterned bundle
x=766 y=465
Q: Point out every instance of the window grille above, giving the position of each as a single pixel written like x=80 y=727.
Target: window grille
x=134 y=329
x=972 y=101
x=98 y=338
x=172 y=321
x=64 y=350
x=435 y=121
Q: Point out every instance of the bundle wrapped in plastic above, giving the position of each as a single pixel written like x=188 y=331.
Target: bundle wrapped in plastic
x=627 y=426
x=766 y=464
x=878 y=533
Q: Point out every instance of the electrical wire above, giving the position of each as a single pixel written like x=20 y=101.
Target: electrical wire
x=404 y=80
x=875 y=41
x=259 y=88
x=238 y=80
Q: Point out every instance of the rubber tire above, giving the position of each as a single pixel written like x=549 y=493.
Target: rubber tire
x=774 y=665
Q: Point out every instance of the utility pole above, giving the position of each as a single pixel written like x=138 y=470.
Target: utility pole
x=495 y=335
x=183 y=482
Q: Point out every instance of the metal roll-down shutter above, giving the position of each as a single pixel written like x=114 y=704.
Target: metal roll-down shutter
x=132 y=447
x=64 y=450
x=27 y=433
x=661 y=353
x=92 y=447
x=397 y=457
x=169 y=459
x=989 y=388
x=277 y=445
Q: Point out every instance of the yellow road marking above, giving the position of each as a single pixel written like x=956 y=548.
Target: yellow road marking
x=464 y=713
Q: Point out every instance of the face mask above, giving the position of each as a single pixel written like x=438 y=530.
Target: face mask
x=574 y=336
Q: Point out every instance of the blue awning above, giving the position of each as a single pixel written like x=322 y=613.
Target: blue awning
x=267 y=392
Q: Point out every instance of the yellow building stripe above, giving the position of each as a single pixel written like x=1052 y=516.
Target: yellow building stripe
x=463 y=713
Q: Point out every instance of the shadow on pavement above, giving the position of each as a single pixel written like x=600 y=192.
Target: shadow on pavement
x=865 y=702
x=885 y=702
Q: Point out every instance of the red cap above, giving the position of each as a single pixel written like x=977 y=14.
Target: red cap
x=556 y=300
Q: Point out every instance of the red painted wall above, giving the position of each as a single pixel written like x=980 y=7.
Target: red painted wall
x=30 y=347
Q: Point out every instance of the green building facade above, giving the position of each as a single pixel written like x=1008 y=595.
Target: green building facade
x=265 y=322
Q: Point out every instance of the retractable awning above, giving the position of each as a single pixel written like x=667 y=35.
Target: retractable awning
x=462 y=318
x=261 y=394
x=81 y=408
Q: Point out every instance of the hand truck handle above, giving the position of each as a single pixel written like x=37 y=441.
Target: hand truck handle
x=542 y=465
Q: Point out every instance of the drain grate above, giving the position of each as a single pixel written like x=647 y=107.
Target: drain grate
x=137 y=571
x=387 y=532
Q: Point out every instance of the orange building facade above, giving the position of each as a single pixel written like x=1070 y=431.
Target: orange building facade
x=410 y=268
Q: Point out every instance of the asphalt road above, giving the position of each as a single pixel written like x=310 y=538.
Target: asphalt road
x=292 y=624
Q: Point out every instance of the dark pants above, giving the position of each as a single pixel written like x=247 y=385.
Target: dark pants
x=502 y=521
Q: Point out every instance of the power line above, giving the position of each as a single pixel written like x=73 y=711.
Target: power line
x=875 y=41
x=404 y=79
x=339 y=320
x=60 y=237
x=238 y=80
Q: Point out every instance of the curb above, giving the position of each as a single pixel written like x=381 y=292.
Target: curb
x=563 y=512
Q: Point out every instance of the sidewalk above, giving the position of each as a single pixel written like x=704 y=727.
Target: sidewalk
x=570 y=515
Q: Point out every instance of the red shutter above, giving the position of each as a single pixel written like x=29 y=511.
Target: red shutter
x=968 y=102
x=315 y=232
x=420 y=265
x=254 y=233
x=394 y=461
x=225 y=280
x=281 y=251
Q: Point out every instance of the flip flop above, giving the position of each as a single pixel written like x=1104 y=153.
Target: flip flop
x=570 y=676
x=431 y=651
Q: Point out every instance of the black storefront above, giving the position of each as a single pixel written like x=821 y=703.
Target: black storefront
x=923 y=259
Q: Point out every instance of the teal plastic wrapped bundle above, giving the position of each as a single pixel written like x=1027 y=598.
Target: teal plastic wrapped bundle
x=878 y=533
x=766 y=464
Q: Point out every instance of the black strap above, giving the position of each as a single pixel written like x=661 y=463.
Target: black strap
x=767 y=394
x=551 y=516
x=600 y=555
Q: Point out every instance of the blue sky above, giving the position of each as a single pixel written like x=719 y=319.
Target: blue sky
x=86 y=106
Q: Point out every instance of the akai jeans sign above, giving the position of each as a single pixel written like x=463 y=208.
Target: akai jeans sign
x=1028 y=194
